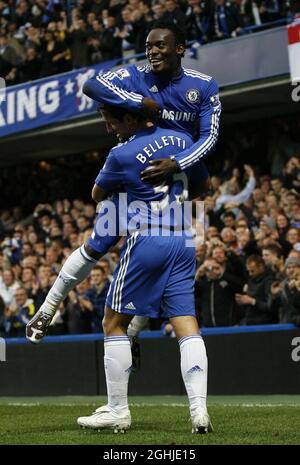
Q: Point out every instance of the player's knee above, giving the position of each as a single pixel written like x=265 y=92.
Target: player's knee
x=110 y=325
x=113 y=323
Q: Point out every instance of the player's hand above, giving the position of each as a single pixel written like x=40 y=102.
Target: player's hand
x=150 y=108
x=159 y=171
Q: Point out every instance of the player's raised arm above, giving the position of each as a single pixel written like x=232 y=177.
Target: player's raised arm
x=114 y=88
x=117 y=88
x=209 y=120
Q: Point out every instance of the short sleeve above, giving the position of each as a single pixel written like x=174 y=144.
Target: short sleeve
x=111 y=175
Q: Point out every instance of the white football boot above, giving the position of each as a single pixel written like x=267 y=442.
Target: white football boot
x=105 y=418
x=201 y=422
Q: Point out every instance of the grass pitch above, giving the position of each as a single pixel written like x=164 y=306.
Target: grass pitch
x=160 y=420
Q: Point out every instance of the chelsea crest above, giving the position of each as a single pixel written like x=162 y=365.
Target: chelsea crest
x=193 y=95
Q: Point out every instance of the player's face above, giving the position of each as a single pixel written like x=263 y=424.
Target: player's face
x=162 y=52
x=117 y=127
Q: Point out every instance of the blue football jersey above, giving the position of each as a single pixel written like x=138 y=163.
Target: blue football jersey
x=122 y=173
x=189 y=102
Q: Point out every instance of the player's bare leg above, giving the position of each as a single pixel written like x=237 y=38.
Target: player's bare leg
x=193 y=370
x=137 y=324
x=118 y=363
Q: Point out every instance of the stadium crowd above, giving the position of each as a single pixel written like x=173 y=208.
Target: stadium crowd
x=248 y=265
x=46 y=37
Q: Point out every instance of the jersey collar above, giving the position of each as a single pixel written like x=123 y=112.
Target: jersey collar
x=163 y=80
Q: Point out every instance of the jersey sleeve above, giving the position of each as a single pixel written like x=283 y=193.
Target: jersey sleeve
x=111 y=176
x=116 y=88
x=209 y=120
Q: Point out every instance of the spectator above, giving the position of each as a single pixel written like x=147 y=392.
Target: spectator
x=125 y=32
x=7 y=52
x=227 y=20
x=54 y=54
x=31 y=66
x=215 y=290
x=98 y=6
x=114 y=254
x=18 y=315
x=77 y=314
x=8 y=62
x=104 y=262
x=52 y=259
x=229 y=191
x=295 y=216
x=292 y=236
x=273 y=258
x=256 y=304
x=286 y=294
x=270 y=10
x=77 y=40
x=28 y=278
x=174 y=14
x=142 y=22
x=97 y=296
x=8 y=286
x=282 y=223
x=232 y=263
x=158 y=11
x=110 y=45
x=251 y=12
x=229 y=219
x=199 y=22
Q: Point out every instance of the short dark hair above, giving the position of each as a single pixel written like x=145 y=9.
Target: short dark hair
x=275 y=249
x=100 y=268
x=257 y=259
x=179 y=34
x=119 y=112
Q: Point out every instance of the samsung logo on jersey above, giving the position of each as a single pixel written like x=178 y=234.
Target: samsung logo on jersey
x=173 y=115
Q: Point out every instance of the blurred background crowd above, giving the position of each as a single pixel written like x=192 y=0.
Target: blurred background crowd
x=46 y=37
x=248 y=265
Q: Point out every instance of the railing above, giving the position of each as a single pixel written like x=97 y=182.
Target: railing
x=269 y=25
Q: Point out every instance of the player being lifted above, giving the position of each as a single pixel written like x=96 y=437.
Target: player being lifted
x=156 y=269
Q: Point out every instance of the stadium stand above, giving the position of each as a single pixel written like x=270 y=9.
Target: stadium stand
x=47 y=37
